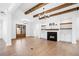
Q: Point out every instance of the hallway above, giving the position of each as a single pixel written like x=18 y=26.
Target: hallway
x=30 y=46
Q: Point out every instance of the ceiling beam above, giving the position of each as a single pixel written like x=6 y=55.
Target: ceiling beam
x=66 y=11
x=62 y=12
x=55 y=8
x=35 y=7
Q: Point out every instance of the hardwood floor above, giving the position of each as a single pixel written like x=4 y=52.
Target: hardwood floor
x=30 y=46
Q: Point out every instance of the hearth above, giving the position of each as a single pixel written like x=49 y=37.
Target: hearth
x=52 y=36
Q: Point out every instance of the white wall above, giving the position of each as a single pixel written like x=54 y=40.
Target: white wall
x=77 y=28
x=7 y=29
x=37 y=30
x=20 y=18
x=29 y=29
x=0 y=29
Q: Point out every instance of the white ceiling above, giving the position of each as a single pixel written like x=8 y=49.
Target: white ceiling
x=8 y=7
x=48 y=6
x=4 y=6
x=52 y=5
x=25 y=6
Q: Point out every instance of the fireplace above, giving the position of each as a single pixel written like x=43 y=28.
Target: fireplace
x=52 y=36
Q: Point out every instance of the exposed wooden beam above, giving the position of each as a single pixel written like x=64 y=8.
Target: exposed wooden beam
x=35 y=7
x=62 y=12
x=66 y=23
x=66 y=11
x=55 y=8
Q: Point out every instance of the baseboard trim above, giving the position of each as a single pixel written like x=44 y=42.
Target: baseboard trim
x=65 y=42
x=26 y=36
x=43 y=38
x=30 y=36
x=13 y=38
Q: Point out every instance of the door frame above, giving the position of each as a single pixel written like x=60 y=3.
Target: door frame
x=20 y=35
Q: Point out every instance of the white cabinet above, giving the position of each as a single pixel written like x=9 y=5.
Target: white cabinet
x=66 y=35
x=43 y=34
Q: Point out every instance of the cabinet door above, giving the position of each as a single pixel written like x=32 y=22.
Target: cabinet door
x=65 y=35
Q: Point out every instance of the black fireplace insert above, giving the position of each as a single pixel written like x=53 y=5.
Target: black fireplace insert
x=52 y=36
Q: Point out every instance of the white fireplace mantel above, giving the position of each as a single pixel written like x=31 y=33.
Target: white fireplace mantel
x=44 y=33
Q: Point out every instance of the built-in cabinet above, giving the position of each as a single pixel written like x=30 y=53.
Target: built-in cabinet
x=64 y=31
x=65 y=35
x=66 y=26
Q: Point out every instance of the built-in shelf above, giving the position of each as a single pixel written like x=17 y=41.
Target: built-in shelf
x=65 y=28
x=65 y=23
x=57 y=29
x=49 y=29
x=43 y=25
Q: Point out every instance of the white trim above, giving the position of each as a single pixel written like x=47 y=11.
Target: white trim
x=8 y=44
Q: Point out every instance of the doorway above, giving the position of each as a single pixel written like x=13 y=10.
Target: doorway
x=20 y=31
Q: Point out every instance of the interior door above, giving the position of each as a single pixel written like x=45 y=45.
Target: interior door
x=20 y=31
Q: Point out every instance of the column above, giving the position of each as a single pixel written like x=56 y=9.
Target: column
x=7 y=30
x=74 y=30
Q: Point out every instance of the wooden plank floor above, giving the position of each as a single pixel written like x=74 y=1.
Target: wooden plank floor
x=30 y=46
